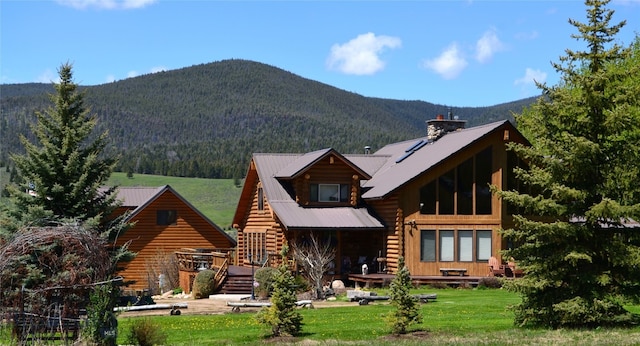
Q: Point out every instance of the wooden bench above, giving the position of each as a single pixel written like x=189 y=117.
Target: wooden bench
x=235 y=306
x=459 y=271
x=28 y=326
x=425 y=298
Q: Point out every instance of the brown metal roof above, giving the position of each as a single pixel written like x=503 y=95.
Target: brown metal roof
x=389 y=168
x=293 y=215
x=401 y=168
x=305 y=161
x=134 y=197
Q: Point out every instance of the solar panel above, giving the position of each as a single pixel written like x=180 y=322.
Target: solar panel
x=413 y=146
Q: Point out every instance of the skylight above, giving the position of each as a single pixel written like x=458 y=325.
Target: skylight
x=412 y=149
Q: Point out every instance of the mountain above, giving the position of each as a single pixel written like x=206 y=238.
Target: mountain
x=206 y=120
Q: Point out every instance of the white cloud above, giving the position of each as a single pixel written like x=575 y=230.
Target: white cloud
x=110 y=78
x=530 y=77
x=48 y=76
x=361 y=56
x=106 y=4
x=487 y=46
x=132 y=74
x=449 y=64
x=157 y=69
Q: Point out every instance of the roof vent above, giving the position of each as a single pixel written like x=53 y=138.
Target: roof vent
x=367 y=150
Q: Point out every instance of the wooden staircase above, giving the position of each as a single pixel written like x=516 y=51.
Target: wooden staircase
x=238 y=281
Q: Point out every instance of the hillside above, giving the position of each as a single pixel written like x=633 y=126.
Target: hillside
x=206 y=120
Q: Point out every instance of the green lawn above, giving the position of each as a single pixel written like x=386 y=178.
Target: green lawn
x=458 y=317
x=215 y=198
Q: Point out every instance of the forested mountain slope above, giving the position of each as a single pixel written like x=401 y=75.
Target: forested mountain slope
x=206 y=120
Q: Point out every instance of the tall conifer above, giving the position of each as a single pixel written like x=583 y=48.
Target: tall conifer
x=64 y=170
x=573 y=236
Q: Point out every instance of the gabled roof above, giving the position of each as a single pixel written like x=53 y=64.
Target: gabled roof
x=293 y=215
x=141 y=197
x=305 y=161
x=406 y=163
x=389 y=168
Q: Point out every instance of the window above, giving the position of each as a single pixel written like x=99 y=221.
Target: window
x=483 y=245
x=446 y=246
x=455 y=245
x=427 y=246
x=484 y=162
x=260 y=199
x=166 y=217
x=463 y=190
x=446 y=192
x=465 y=246
x=255 y=245
x=329 y=193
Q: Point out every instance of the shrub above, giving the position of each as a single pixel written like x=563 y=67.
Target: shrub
x=264 y=277
x=489 y=282
x=406 y=310
x=144 y=332
x=282 y=316
x=203 y=284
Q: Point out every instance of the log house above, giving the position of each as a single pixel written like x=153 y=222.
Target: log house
x=425 y=199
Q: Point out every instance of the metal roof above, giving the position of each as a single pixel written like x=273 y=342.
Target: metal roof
x=389 y=168
x=397 y=172
x=293 y=215
x=134 y=197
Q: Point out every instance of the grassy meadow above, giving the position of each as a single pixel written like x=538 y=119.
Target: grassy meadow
x=215 y=198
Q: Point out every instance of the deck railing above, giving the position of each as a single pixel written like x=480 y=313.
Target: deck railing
x=200 y=259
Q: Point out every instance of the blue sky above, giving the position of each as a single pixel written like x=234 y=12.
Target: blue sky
x=454 y=53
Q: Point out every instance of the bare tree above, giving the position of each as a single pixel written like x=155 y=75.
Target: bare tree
x=315 y=256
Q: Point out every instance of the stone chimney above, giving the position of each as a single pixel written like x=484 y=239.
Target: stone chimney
x=440 y=126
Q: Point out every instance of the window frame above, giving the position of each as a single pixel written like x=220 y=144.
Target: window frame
x=166 y=217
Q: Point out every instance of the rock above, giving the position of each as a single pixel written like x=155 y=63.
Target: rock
x=337 y=284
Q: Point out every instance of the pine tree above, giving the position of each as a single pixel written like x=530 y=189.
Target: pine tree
x=407 y=311
x=282 y=316
x=62 y=174
x=580 y=187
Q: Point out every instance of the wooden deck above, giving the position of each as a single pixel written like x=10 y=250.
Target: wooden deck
x=380 y=279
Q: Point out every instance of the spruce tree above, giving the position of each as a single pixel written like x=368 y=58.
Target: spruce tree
x=282 y=316
x=579 y=192
x=63 y=171
x=407 y=310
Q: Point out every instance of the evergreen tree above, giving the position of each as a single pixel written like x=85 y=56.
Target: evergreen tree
x=579 y=187
x=407 y=311
x=63 y=172
x=282 y=316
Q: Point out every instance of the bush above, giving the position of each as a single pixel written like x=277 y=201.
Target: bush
x=203 y=284
x=264 y=277
x=282 y=316
x=489 y=282
x=144 y=332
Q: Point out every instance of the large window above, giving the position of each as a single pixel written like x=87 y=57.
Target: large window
x=463 y=190
x=329 y=193
x=255 y=246
x=166 y=217
x=446 y=246
x=427 y=246
x=483 y=245
x=463 y=245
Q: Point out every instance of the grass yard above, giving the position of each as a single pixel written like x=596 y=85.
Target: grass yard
x=458 y=317
x=215 y=198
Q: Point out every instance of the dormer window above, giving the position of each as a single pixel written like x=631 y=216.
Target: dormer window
x=329 y=193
